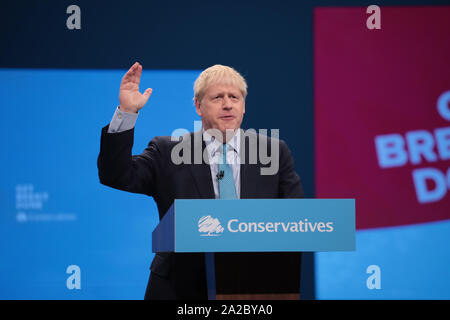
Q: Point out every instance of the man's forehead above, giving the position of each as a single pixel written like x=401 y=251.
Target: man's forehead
x=222 y=88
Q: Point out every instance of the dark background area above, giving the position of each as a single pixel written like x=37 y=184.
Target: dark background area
x=269 y=42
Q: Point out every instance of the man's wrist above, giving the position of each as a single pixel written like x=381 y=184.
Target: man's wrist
x=122 y=121
x=127 y=110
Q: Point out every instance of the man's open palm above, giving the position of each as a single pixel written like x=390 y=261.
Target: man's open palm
x=131 y=100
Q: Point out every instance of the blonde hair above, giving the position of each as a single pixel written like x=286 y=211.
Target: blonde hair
x=219 y=74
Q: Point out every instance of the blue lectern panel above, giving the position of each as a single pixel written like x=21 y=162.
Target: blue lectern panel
x=257 y=225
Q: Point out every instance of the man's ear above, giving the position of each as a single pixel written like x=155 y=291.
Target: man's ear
x=197 y=107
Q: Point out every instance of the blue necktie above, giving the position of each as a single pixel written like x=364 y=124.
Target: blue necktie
x=227 y=190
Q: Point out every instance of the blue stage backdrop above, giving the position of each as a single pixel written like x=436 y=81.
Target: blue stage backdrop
x=412 y=263
x=55 y=213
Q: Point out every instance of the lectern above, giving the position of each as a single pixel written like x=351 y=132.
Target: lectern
x=237 y=236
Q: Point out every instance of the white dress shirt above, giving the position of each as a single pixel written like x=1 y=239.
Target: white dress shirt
x=214 y=148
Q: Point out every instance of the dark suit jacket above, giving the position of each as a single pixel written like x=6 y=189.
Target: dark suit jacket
x=153 y=173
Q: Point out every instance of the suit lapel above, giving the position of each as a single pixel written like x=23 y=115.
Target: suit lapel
x=201 y=172
x=248 y=171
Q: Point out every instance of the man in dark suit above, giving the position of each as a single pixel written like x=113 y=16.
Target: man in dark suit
x=219 y=96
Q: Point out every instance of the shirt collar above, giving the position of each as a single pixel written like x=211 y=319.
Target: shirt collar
x=213 y=145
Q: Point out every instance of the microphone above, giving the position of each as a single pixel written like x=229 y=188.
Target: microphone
x=220 y=175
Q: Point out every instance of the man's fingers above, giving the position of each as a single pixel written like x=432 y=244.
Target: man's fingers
x=134 y=73
x=134 y=67
x=147 y=94
x=137 y=73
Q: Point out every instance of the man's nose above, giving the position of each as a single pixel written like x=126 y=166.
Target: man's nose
x=227 y=103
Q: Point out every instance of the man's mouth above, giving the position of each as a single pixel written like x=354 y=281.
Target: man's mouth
x=227 y=117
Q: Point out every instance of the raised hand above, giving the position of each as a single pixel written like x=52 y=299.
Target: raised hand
x=131 y=100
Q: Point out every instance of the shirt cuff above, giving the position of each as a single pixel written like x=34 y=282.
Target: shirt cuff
x=122 y=121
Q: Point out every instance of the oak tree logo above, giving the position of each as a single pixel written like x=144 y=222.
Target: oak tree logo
x=209 y=226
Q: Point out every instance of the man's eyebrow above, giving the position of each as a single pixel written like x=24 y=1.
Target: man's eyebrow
x=221 y=93
x=233 y=92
